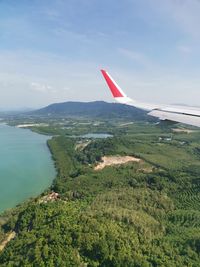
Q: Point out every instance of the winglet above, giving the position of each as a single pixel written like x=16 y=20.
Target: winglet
x=121 y=97
x=114 y=88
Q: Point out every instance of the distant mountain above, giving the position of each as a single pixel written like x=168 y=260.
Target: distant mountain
x=15 y=112
x=97 y=109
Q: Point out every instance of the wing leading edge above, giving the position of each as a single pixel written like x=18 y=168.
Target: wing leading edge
x=182 y=114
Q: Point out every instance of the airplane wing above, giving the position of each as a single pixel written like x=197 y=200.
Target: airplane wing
x=182 y=114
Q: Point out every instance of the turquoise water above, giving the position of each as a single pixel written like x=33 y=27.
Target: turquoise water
x=26 y=167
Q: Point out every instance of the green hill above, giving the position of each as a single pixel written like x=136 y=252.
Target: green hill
x=97 y=109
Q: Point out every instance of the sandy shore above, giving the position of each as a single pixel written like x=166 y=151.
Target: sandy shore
x=31 y=125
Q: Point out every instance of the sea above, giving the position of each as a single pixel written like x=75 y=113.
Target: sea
x=26 y=166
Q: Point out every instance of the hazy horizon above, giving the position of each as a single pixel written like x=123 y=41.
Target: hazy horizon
x=52 y=51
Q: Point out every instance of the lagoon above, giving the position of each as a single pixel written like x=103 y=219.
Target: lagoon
x=26 y=167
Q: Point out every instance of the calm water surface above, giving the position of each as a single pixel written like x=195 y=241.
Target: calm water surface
x=26 y=167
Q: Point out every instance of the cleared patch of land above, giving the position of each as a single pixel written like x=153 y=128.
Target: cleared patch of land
x=82 y=145
x=8 y=239
x=146 y=170
x=115 y=160
x=183 y=130
x=53 y=196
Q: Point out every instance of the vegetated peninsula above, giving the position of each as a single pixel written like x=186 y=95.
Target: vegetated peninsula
x=143 y=212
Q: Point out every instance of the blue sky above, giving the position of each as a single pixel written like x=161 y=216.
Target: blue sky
x=52 y=50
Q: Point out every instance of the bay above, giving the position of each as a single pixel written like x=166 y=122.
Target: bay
x=26 y=167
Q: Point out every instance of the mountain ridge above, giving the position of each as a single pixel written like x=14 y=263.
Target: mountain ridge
x=94 y=109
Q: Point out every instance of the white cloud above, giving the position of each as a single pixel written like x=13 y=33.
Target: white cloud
x=184 y=49
x=138 y=57
x=51 y=14
x=43 y=88
x=182 y=14
x=66 y=35
x=39 y=79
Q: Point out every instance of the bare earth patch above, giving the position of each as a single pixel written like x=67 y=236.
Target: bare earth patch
x=146 y=170
x=183 y=130
x=7 y=239
x=115 y=160
x=53 y=196
x=82 y=146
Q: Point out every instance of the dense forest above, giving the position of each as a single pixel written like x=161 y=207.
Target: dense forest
x=139 y=214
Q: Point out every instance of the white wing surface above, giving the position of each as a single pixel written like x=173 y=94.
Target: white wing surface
x=183 y=114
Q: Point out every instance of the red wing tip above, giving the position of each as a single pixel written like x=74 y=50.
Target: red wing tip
x=112 y=85
x=103 y=71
